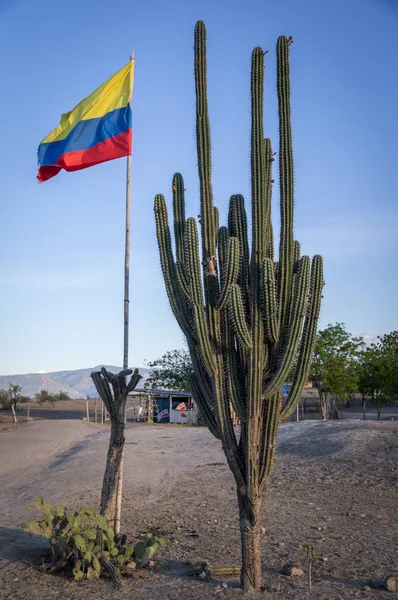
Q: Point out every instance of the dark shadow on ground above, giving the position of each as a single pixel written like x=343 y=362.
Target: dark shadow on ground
x=75 y=449
x=17 y=545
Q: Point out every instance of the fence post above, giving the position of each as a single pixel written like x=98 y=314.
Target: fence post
x=87 y=412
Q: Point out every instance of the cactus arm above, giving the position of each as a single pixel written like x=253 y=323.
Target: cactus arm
x=226 y=428
x=196 y=291
x=268 y=446
x=216 y=216
x=211 y=284
x=135 y=378
x=237 y=225
x=258 y=234
x=222 y=247
x=204 y=144
x=236 y=392
x=103 y=388
x=297 y=251
x=114 y=382
x=295 y=327
x=182 y=280
x=286 y=183
x=257 y=156
x=179 y=215
x=269 y=303
x=202 y=377
x=193 y=263
x=231 y=271
x=177 y=302
x=206 y=412
x=256 y=355
x=238 y=318
x=268 y=160
x=308 y=337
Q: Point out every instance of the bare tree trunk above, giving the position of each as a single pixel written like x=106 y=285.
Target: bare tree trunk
x=118 y=513
x=14 y=416
x=379 y=410
x=324 y=412
x=114 y=465
x=250 y=531
x=113 y=390
x=364 y=407
x=28 y=411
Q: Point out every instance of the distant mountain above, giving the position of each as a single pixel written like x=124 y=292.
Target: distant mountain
x=78 y=384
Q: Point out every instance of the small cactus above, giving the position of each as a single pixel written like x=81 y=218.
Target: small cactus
x=83 y=541
x=312 y=559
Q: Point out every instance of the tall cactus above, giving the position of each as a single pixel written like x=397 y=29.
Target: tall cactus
x=249 y=320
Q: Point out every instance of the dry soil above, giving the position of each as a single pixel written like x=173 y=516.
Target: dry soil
x=334 y=486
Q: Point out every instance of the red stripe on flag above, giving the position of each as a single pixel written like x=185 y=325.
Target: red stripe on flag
x=111 y=148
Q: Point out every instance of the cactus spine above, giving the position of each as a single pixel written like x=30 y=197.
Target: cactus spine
x=248 y=319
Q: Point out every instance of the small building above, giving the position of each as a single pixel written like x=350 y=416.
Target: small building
x=161 y=406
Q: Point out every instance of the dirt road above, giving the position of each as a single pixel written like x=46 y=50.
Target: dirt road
x=335 y=485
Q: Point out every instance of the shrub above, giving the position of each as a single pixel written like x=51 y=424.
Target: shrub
x=24 y=399
x=83 y=542
x=5 y=399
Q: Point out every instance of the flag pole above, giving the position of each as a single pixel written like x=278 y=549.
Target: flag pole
x=127 y=250
x=118 y=509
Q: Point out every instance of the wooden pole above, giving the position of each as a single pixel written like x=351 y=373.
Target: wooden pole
x=127 y=245
x=126 y=301
x=28 y=411
x=95 y=410
x=87 y=412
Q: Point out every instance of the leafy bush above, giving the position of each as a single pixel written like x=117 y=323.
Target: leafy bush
x=5 y=399
x=83 y=541
x=24 y=399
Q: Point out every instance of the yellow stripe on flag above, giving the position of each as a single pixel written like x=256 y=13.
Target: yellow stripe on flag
x=114 y=93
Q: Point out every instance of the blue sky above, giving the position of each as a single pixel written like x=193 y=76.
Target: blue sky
x=62 y=242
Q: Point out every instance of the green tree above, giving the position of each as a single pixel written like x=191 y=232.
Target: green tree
x=14 y=391
x=335 y=368
x=42 y=396
x=15 y=394
x=171 y=371
x=378 y=375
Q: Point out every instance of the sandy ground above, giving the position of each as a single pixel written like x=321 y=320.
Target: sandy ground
x=335 y=486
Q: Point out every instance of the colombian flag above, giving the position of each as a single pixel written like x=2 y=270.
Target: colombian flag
x=95 y=131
